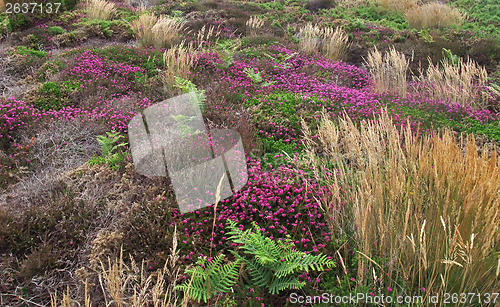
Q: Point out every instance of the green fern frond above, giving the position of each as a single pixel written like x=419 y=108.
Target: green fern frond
x=280 y=284
x=208 y=278
x=273 y=264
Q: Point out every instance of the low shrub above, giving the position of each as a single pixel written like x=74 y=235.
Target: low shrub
x=55 y=96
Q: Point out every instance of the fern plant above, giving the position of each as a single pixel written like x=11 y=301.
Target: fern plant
x=281 y=59
x=271 y=264
x=189 y=87
x=256 y=77
x=109 y=149
x=208 y=278
x=108 y=143
x=228 y=49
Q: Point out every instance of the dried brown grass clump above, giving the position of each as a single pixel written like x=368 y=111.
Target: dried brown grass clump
x=254 y=24
x=398 y=5
x=310 y=38
x=434 y=15
x=422 y=210
x=335 y=43
x=129 y=284
x=389 y=70
x=464 y=82
x=99 y=9
x=178 y=62
x=206 y=35
x=157 y=31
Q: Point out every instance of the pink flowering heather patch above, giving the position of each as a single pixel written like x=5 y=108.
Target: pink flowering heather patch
x=282 y=202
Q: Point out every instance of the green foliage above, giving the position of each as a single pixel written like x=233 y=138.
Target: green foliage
x=108 y=143
x=453 y=59
x=426 y=36
x=274 y=265
x=227 y=49
x=109 y=148
x=280 y=106
x=105 y=28
x=484 y=16
x=256 y=77
x=208 y=278
x=55 y=96
x=281 y=59
x=371 y=12
x=490 y=130
x=5 y=26
x=198 y=96
x=55 y=30
x=22 y=50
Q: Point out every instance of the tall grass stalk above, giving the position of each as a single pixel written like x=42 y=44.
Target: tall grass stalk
x=464 y=83
x=389 y=70
x=159 y=32
x=99 y=9
x=422 y=212
x=433 y=15
x=178 y=61
x=335 y=43
x=310 y=38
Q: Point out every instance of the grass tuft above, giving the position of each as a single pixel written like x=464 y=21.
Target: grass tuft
x=433 y=15
x=423 y=210
x=99 y=9
x=388 y=70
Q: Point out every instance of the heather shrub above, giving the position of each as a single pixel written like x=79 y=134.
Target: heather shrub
x=55 y=30
x=315 y=5
x=433 y=15
x=55 y=96
x=385 y=178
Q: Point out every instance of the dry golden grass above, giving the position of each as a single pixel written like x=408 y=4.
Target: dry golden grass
x=335 y=43
x=389 y=70
x=99 y=9
x=433 y=15
x=178 y=62
x=310 y=38
x=131 y=285
x=463 y=83
x=425 y=211
x=204 y=35
x=254 y=24
x=157 y=31
x=398 y=5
